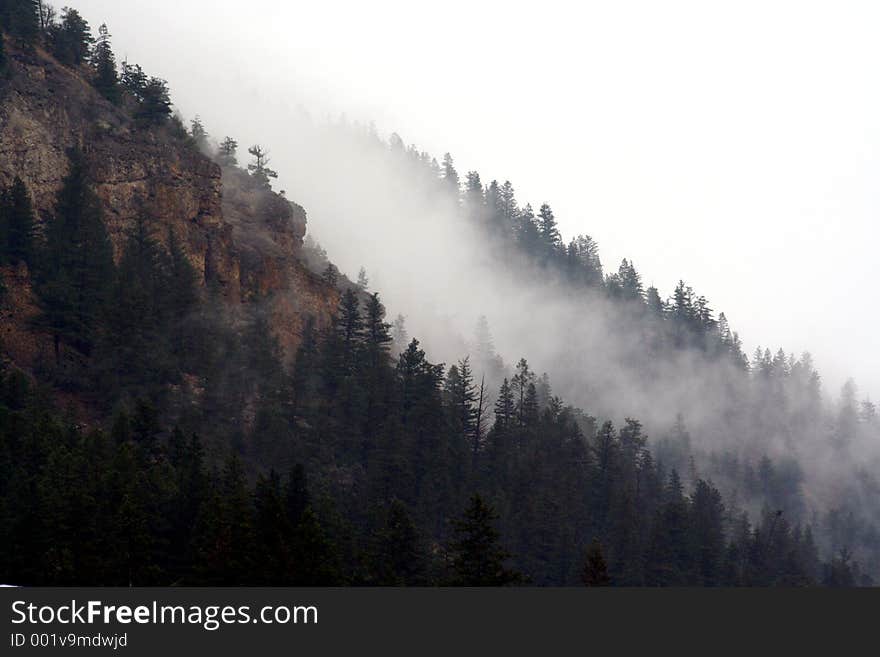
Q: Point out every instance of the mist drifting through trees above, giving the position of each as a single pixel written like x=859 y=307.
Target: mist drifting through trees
x=533 y=414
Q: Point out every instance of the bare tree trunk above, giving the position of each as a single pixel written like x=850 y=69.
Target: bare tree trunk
x=478 y=430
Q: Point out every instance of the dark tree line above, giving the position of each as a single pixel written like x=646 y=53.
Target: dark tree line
x=396 y=492
x=410 y=482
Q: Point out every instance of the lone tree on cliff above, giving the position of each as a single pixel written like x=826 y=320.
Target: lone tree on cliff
x=259 y=169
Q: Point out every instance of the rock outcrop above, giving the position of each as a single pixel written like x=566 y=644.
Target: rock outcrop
x=245 y=237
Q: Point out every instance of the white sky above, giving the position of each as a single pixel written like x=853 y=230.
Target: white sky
x=733 y=146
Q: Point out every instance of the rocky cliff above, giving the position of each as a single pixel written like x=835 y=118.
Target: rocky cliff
x=244 y=237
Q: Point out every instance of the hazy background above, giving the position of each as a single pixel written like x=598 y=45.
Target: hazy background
x=732 y=148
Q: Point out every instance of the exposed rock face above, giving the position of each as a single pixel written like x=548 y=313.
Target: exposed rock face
x=245 y=237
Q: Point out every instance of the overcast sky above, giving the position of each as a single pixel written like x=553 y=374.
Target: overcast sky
x=735 y=147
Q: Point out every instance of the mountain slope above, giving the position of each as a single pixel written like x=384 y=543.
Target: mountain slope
x=174 y=292
x=247 y=238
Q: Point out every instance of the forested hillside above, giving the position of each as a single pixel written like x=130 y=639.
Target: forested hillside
x=188 y=396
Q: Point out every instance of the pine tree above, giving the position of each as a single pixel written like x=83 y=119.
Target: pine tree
x=507 y=207
x=21 y=19
x=522 y=386
x=350 y=327
x=78 y=267
x=362 y=281
x=199 y=134
x=399 y=336
x=584 y=265
x=654 y=302
x=505 y=407
x=607 y=454
x=486 y=358
x=376 y=334
x=104 y=62
x=155 y=106
x=549 y=230
x=450 y=177
x=226 y=533
x=133 y=80
x=399 y=556
x=314 y=556
x=227 y=152
x=331 y=275
x=474 y=198
x=19 y=228
x=669 y=559
x=135 y=350
x=630 y=282
x=259 y=169
x=375 y=372
x=707 y=532
x=477 y=558
x=71 y=38
x=466 y=398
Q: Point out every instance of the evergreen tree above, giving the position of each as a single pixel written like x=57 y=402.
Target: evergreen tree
x=362 y=281
x=71 y=38
x=199 y=134
x=474 y=198
x=259 y=169
x=584 y=266
x=134 y=80
x=654 y=302
x=450 y=176
x=669 y=558
x=155 y=105
x=78 y=267
x=18 y=223
x=630 y=282
x=477 y=558
x=505 y=408
x=399 y=336
x=315 y=561
x=135 y=350
x=226 y=535
x=461 y=398
x=104 y=62
x=549 y=231
x=20 y=18
x=331 y=275
x=399 y=556
x=707 y=519
x=227 y=153
x=522 y=387
x=350 y=327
